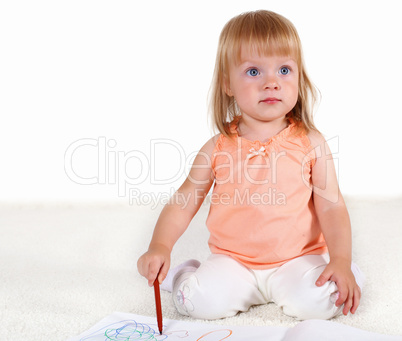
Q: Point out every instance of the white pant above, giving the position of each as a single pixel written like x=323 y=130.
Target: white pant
x=222 y=287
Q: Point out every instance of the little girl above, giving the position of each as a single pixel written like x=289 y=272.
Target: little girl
x=279 y=228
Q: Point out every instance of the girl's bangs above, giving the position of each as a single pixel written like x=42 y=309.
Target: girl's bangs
x=266 y=45
x=264 y=33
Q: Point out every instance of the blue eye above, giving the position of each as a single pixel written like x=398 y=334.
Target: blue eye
x=284 y=70
x=253 y=72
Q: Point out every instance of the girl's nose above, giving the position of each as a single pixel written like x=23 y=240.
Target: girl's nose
x=271 y=83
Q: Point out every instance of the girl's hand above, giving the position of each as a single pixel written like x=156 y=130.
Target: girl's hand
x=153 y=262
x=339 y=272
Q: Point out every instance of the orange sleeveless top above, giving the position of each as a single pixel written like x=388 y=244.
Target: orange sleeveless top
x=262 y=212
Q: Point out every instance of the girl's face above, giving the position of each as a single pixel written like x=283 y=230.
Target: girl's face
x=264 y=87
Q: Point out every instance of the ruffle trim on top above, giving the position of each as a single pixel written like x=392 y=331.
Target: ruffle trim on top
x=294 y=129
x=283 y=134
x=219 y=143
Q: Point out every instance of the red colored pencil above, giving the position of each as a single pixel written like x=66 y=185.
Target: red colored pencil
x=158 y=305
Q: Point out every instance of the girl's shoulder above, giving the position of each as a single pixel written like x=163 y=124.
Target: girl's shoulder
x=209 y=146
x=316 y=138
x=318 y=143
x=320 y=149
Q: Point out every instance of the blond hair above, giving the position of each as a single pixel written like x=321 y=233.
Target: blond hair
x=266 y=33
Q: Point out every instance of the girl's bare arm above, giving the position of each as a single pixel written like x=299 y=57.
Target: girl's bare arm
x=335 y=225
x=177 y=215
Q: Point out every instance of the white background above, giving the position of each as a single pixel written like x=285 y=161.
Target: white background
x=122 y=74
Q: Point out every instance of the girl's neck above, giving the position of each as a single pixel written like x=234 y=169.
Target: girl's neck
x=262 y=131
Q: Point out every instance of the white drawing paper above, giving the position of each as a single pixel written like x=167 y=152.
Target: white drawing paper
x=128 y=327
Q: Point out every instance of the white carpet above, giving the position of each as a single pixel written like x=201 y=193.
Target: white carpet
x=64 y=267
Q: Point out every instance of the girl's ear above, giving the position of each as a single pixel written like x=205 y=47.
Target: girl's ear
x=226 y=86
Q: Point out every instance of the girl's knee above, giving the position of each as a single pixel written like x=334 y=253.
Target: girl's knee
x=312 y=311
x=312 y=302
x=183 y=293
x=294 y=290
x=192 y=300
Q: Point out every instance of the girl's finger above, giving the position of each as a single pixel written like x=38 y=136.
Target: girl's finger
x=356 y=300
x=348 y=303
